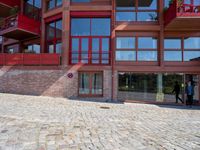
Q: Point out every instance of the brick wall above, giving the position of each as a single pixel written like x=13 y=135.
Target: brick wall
x=46 y=83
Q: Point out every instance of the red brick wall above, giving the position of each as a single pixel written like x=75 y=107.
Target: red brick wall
x=46 y=83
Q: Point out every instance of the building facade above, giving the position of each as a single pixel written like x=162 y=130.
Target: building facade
x=103 y=49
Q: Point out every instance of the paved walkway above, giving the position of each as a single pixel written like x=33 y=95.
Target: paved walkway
x=42 y=123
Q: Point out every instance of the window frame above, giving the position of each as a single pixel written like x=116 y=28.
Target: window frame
x=136 y=11
x=136 y=49
x=182 y=49
x=90 y=73
x=55 y=40
x=55 y=6
x=90 y=50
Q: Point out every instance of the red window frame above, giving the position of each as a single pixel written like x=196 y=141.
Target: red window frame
x=55 y=39
x=90 y=73
x=137 y=10
x=101 y=53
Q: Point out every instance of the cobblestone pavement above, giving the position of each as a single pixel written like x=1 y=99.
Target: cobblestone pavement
x=43 y=123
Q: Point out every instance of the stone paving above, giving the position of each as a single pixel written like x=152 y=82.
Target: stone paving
x=43 y=123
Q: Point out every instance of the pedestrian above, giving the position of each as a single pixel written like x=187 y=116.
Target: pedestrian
x=190 y=93
x=177 y=90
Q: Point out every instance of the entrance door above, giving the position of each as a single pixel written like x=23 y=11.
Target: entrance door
x=90 y=84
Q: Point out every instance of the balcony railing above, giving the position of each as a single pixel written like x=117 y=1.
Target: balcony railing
x=29 y=59
x=19 y=22
x=181 y=9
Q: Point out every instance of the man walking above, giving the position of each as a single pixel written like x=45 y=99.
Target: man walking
x=177 y=90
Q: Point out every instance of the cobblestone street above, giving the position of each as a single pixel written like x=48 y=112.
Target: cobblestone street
x=43 y=123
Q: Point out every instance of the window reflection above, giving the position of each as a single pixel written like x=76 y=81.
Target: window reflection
x=125 y=55
x=147 y=55
x=136 y=10
x=173 y=55
x=191 y=55
x=172 y=43
x=125 y=42
x=192 y=43
x=147 y=43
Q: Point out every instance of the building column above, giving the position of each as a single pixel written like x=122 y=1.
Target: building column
x=65 y=33
x=43 y=30
x=161 y=35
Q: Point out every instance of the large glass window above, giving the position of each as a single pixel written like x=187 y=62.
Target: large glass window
x=144 y=50
x=53 y=3
x=32 y=9
x=138 y=82
x=136 y=10
x=149 y=87
x=90 y=42
x=175 y=51
x=54 y=37
x=91 y=83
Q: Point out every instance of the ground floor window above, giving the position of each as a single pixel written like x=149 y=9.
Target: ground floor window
x=156 y=87
x=91 y=83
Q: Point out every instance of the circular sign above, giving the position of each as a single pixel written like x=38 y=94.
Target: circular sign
x=70 y=75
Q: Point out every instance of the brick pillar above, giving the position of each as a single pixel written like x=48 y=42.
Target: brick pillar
x=65 y=33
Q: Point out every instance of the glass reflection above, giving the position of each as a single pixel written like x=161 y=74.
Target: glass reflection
x=191 y=55
x=125 y=55
x=126 y=42
x=173 y=55
x=147 y=55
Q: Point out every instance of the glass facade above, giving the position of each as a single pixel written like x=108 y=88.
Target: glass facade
x=90 y=42
x=136 y=49
x=181 y=49
x=54 y=37
x=136 y=10
x=149 y=87
x=53 y=4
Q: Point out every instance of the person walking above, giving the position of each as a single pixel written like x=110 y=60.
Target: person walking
x=177 y=90
x=190 y=93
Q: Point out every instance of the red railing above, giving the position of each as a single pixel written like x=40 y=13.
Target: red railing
x=180 y=9
x=22 y=22
x=10 y=3
x=29 y=59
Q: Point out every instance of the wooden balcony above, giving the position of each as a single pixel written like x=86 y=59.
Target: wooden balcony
x=29 y=59
x=181 y=16
x=19 y=27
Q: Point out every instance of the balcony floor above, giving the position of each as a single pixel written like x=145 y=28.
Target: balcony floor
x=16 y=33
x=184 y=23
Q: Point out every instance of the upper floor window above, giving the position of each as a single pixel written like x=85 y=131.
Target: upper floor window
x=136 y=10
x=32 y=9
x=136 y=49
x=80 y=1
x=90 y=27
x=54 y=36
x=90 y=40
x=181 y=49
x=53 y=3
